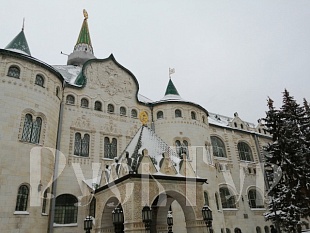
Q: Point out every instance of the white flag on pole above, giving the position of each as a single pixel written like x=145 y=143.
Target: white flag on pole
x=171 y=71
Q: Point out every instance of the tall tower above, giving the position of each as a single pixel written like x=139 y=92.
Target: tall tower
x=83 y=50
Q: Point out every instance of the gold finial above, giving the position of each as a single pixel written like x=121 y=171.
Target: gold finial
x=85 y=14
x=143 y=117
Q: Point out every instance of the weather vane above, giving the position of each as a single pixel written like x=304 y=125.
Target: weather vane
x=85 y=14
x=171 y=71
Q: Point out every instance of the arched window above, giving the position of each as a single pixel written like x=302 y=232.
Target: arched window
x=227 y=230
x=84 y=103
x=122 y=111
x=235 y=124
x=110 y=108
x=98 y=106
x=206 y=198
x=258 y=230
x=92 y=207
x=110 y=148
x=81 y=145
x=227 y=199
x=14 y=72
x=255 y=199
x=134 y=113
x=266 y=228
x=66 y=209
x=22 y=198
x=178 y=113
x=70 y=99
x=241 y=126
x=32 y=129
x=218 y=147
x=160 y=115
x=217 y=201
x=203 y=119
x=39 y=80
x=245 y=152
x=193 y=115
x=181 y=148
x=44 y=202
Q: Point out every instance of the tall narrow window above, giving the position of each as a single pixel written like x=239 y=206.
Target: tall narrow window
x=193 y=115
x=92 y=207
x=227 y=199
x=14 y=72
x=57 y=91
x=266 y=228
x=110 y=148
x=206 y=198
x=217 y=201
x=98 y=106
x=160 y=115
x=178 y=113
x=203 y=119
x=66 y=209
x=258 y=230
x=182 y=148
x=245 y=152
x=70 y=99
x=81 y=145
x=84 y=103
x=44 y=202
x=218 y=147
x=110 y=108
x=255 y=199
x=134 y=113
x=22 y=198
x=39 y=80
x=122 y=111
x=32 y=129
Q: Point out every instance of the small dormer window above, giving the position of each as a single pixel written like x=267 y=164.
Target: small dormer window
x=241 y=126
x=235 y=124
x=39 y=80
x=14 y=72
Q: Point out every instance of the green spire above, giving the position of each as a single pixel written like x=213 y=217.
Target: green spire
x=84 y=37
x=19 y=43
x=171 y=90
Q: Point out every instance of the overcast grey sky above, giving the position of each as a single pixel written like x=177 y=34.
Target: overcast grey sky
x=229 y=55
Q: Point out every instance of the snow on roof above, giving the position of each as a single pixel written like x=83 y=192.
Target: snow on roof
x=144 y=99
x=171 y=97
x=18 y=51
x=220 y=120
x=145 y=138
x=69 y=72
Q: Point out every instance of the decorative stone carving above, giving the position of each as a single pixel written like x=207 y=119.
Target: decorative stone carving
x=111 y=127
x=83 y=123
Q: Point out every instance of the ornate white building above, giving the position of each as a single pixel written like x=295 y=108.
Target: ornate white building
x=68 y=124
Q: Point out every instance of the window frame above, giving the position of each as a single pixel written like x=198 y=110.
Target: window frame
x=245 y=152
x=227 y=203
x=255 y=199
x=178 y=113
x=39 y=80
x=66 y=212
x=11 y=71
x=70 y=99
x=134 y=113
x=81 y=144
x=193 y=115
x=84 y=103
x=32 y=129
x=110 y=148
x=160 y=115
x=22 y=198
x=122 y=111
x=218 y=147
x=111 y=108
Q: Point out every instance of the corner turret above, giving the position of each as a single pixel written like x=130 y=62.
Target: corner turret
x=19 y=44
x=83 y=50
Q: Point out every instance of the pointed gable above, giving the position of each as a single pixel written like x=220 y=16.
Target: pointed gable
x=19 y=44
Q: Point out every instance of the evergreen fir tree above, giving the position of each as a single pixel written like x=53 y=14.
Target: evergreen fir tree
x=288 y=153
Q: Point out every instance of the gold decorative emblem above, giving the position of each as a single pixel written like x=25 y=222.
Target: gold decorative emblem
x=85 y=14
x=143 y=117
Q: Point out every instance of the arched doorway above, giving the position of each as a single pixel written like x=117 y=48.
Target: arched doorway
x=183 y=213
x=106 y=218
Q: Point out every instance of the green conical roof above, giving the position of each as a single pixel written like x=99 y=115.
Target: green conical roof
x=19 y=43
x=171 y=90
x=84 y=37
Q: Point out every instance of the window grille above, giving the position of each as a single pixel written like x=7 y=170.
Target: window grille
x=22 y=198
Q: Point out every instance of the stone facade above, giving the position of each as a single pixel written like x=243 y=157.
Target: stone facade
x=90 y=117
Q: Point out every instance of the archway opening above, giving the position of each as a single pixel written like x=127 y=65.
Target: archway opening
x=106 y=218
x=182 y=212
